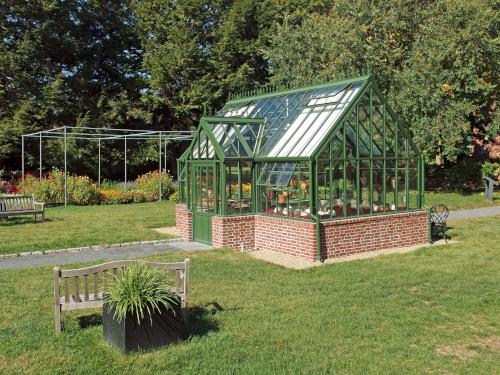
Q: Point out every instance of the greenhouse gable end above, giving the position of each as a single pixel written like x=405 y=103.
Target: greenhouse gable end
x=316 y=172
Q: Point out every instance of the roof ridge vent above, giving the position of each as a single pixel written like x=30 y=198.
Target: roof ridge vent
x=269 y=89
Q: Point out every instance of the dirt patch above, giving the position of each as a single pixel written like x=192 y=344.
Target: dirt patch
x=173 y=231
x=293 y=262
x=467 y=349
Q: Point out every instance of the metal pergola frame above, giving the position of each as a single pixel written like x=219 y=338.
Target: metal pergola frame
x=99 y=135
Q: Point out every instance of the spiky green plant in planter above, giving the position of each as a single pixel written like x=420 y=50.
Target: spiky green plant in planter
x=140 y=311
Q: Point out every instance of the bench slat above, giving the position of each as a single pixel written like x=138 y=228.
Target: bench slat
x=96 y=283
x=85 y=288
x=118 y=264
x=105 y=279
x=77 y=287
x=66 y=291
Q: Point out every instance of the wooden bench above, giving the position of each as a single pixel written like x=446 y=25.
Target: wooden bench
x=14 y=205
x=94 y=280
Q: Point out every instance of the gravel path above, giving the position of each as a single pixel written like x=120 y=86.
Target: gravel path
x=476 y=212
x=110 y=253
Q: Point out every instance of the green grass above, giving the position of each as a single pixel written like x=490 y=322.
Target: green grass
x=76 y=226
x=461 y=200
x=435 y=310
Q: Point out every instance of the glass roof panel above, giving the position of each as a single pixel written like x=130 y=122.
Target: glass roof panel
x=276 y=174
x=296 y=121
x=235 y=139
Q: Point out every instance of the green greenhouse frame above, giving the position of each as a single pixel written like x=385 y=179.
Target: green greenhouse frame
x=318 y=153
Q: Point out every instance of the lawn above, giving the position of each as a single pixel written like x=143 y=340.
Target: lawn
x=461 y=200
x=75 y=226
x=435 y=310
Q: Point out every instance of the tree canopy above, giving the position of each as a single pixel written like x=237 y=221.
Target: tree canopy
x=162 y=64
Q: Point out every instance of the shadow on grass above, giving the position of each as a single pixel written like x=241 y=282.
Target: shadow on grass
x=91 y=320
x=14 y=221
x=201 y=320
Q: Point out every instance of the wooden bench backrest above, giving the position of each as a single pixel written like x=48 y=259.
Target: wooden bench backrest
x=17 y=203
x=83 y=287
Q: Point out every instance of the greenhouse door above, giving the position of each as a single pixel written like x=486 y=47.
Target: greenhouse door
x=204 y=201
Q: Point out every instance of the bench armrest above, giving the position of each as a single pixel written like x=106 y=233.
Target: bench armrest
x=41 y=204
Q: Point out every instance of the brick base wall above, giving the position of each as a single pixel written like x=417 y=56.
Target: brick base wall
x=184 y=222
x=298 y=238
x=233 y=231
x=293 y=237
x=359 y=235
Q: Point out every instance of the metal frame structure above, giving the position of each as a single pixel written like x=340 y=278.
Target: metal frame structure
x=323 y=152
x=99 y=135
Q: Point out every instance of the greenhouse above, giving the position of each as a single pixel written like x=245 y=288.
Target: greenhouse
x=316 y=172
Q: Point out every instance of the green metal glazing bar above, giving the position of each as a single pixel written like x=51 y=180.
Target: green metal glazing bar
x=407 y=177
x=344 y=174
x=396 y=167
x=370 y=189
x=358 y=164
x=330 y=178
x=384 y=164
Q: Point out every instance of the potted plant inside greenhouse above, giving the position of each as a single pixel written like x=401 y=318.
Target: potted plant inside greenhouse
x=140 y=311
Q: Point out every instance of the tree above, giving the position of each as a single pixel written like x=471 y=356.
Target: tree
x=436 y=61
x=62 y=60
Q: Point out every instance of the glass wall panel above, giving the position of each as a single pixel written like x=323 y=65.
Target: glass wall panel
x=364 y=187
x=351 y=188
x=402 y=179
x=413 y=184
x=324 y=189
x=390 y=137
x=390 y=185
x=377 y=131
x=378 y=186
x=238 y=187
x=337 y=202
x=285 y=194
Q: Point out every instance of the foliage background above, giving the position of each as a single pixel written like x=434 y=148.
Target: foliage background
x=156 y=64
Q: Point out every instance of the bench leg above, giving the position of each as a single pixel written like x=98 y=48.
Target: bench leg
x=185 y=312
x=43 y=216
x=57 y=318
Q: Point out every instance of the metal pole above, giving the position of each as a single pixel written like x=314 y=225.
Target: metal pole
x=126 y=163
x=165 y=155
x=40 y=147
x=159 y=163
x=99 y=163
x=65 y=169
x=22 y=158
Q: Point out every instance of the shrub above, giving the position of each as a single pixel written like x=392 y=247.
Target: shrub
x=174 y=196
x=139 y=291
x=50 y=189
x=491 y=170
x=150 y=184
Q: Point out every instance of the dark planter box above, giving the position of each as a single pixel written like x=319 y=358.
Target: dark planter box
x=128 y=335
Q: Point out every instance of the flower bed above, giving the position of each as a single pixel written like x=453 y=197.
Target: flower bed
x=82 y=190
